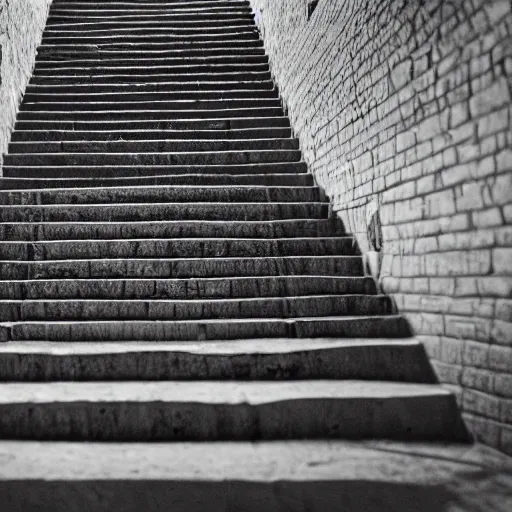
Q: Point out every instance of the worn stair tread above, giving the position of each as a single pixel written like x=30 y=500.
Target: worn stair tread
x=151 y=194
x=169 y=211
x=271 y=359
x=284 y=306
x=59 y=108
x=368 y=326
x=182 y=268
x=126 y=171
x=253 y=393
x=234 y=347
x=64 y=97
x=245 y=134
x=20 y=183
x=151 y=69
x=152 y=145
x=152 y=115
x=290 y=228
x=198 y=288
x=155 y=124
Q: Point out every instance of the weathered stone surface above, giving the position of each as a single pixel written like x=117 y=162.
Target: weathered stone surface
x=21 y=28
x=253 y=275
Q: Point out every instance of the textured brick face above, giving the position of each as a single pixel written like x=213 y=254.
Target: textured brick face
x=21 y=26
x=404 y=108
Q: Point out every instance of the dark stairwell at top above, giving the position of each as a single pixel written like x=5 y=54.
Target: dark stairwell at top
x=153 y=196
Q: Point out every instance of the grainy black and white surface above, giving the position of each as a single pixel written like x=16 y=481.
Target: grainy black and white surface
x=182 y=262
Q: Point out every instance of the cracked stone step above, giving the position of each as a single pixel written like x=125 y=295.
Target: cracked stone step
x=81 y=20
x=402 y=360
x=154 y=158
x=143 y=51
x=10 y=183
x=255 y=111
x=148 y=96
x=151 y=105
x=251 y=135
x=123 y=6
x=130 y=60
x=176 y=248
x=183 y=268
x=110 y=27
x=150 y=146
x=146 y=49
x=194 y=309
x=294 y=228
x=160 y=194
x=150 y=70
x=132 y=97
x=250 y=36
x=172 y=411
x=169 y=86
x=206 y=288
x=163 y=211
x=392 y=326
x=141 y=77
x=157 y=124
x=120 y=171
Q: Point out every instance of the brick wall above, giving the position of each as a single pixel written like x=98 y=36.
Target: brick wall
x=21 y=25
x=403 y=110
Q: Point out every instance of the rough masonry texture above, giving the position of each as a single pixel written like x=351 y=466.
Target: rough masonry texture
x=403 y=111
x=21 y=26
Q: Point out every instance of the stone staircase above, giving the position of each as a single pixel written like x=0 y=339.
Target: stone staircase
x=169 y=270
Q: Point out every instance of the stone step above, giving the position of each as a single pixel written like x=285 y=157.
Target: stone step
x=392 y=326
x=173 y=411
x=169 y=86
x=146 y=49
x=194 y=309
x=56 y=108
x=149 y=70
x=322 y=475
x=176 y=248
x=402 y=360
x=349 y=266
x=267 y=136
x=64 y=62
x=119 y=171
x=163 y=211
x=129 y=5
x=157 y=124
x=154 y=158
x=255 y=111
x=185 y=289
x=206 y=78
x=250 y=36
x=183 y=179
x=291 y=229
x=143 y=51
x=160 y=194
x=64 y=98
x=149 y=146
x=214 y=20
x=116 y=11
x=158 y=25
x=64 y=18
